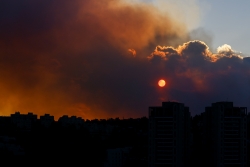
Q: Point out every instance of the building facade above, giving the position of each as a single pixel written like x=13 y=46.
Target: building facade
x=169 y=135
x=225 y=135
x=23 y=121
x=116 y=157
x=46 y=120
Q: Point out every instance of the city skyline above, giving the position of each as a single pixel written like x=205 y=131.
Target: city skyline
x=170 y=136
x=73 y=117
x=103 y=59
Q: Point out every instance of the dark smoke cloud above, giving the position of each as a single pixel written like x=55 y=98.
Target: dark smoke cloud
x=92 y=59
x=200 y=77
x=71 y=57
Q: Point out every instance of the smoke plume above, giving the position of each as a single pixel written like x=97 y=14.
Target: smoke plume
x=101 y=59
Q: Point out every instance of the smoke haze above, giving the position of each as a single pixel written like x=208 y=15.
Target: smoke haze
x=101 y=59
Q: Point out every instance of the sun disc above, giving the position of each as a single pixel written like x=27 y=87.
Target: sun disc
x=161 y=83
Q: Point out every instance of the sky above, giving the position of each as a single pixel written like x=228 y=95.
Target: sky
x=102 y=59
x=227 y=22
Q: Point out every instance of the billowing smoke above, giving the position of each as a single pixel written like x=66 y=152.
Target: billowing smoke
x=96 y=59
x=199 y=77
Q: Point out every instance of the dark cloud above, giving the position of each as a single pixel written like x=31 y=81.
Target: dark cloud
x=94 y=59
x=71 y=57
x=200 y=77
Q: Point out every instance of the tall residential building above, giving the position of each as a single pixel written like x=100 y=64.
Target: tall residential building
x=46 y=120
x=116 y=157
x=225 y=135
x=23 y=121
x=169 y=135
x=67 y=121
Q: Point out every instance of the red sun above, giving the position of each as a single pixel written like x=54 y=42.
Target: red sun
x=161 y=83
